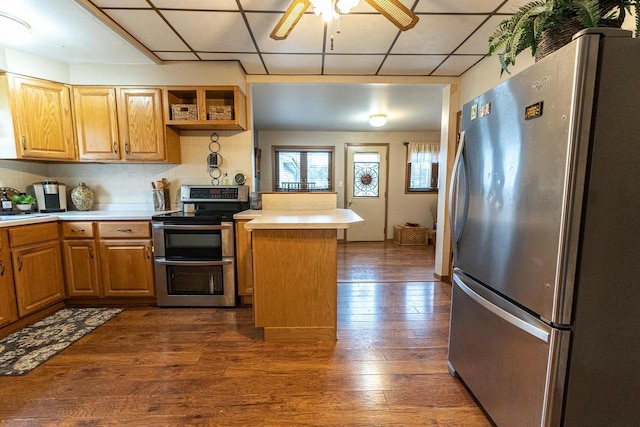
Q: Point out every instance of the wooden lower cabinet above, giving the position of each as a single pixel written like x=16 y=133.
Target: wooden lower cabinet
x=126 y=258
x=8 y=309
x=108 y=258
x=127 y=268
x=244 y=262
x=37 y=266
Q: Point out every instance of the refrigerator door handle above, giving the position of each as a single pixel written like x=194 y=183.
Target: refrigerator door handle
x=453 y=194
x=525 y=326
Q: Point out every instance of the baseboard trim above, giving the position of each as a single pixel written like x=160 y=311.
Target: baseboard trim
x=446 y=279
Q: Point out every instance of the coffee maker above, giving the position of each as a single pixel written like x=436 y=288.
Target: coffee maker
x=51 y=196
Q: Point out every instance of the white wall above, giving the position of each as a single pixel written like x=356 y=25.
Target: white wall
x=402 y=207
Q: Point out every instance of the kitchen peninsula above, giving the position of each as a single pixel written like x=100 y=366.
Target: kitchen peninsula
x=295 y=265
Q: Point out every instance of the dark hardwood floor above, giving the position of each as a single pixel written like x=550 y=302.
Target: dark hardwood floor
x=208 y=366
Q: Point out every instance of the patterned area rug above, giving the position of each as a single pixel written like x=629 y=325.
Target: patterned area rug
x=27 y=348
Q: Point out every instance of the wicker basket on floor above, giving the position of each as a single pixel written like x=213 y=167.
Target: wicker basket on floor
x=407 y=235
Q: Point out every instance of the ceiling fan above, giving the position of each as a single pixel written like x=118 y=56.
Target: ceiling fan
x=330 y=10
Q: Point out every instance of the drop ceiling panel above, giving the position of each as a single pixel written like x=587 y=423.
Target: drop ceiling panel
x=211 y=31
x=362 y=34
x=457 y=6
x=274 y=5
x=176 y=56
x=456 y=65
x=411 y=65
x=352 y=64
x=122 y=3
x=478 y=42
x=512 y=5
x=306 y=36
x=293 y=64
x=437 y=34
x=155 y=34
x=196 y=4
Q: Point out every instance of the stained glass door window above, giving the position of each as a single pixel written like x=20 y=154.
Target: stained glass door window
x=366 y=174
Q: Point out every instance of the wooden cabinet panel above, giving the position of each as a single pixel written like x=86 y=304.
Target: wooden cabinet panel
x=127 y=267
x=140 y=123
x=124 y=229
x=243 y=259
x=38 y=277
x=42 y=118
x=35 y=233
x=77 y=230
x=96 y=122
x=81 y=268
x=8 y=309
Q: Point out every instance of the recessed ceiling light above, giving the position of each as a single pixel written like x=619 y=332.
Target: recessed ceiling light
x=377 y=120
x=13 y=31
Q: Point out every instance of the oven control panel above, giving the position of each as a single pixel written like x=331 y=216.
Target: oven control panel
x=213 y=193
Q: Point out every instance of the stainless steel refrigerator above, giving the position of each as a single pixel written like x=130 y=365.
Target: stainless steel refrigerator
x=545 y=208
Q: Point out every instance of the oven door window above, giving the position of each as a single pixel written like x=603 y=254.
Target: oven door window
x=193 y=244
x=195 y=280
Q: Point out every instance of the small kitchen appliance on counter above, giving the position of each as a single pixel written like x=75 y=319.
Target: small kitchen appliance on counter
x=51 y=196
x=194 y=256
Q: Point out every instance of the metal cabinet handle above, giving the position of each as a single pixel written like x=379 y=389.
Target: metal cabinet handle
x=125 y=230
x=126 y=147
x=148 y=251
x=90 y=252
x=77 y=230
x=24 y=142
x=19 y=263
x=1 y=268
x=115 y=147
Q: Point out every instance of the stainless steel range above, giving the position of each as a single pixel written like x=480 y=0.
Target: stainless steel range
x=194 y=257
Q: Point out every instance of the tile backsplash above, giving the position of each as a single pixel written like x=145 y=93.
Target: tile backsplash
x=128 y=186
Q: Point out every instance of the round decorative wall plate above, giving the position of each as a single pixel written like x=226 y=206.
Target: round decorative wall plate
x=239 y=178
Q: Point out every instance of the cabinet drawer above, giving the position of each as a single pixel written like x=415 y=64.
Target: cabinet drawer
x=124 y=229
x=77 y=230
x=28 y=234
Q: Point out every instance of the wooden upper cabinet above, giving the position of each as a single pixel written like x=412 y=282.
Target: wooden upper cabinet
x=123 y=124
x=205 y=107
x=96 y=123
x=42 y=121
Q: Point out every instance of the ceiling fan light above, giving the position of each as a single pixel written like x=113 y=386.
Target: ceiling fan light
x=377 y=120
x=13 y=31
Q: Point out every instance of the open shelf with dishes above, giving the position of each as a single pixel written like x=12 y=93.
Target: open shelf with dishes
x=205 y=107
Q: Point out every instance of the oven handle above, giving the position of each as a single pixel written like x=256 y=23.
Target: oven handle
x=161 y=226
x=164 y=261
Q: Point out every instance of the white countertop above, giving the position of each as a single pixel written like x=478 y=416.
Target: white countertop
x=104 y=215
x=299 y=219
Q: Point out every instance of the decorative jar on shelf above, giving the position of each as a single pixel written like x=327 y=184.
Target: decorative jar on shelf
x=83 y=197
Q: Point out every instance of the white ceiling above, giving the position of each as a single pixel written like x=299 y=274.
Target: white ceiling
x=449 y=38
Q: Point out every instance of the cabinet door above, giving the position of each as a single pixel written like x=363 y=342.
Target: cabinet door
x=81 y=268
x=127 y=268
x=8 y=311
x=244 y=261
x=37 y=271
x=96 y=123
x=42 y=113
x=140 y=124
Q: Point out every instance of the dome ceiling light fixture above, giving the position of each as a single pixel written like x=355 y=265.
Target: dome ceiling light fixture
x=377 y=120
x=331 y=10
x=13 y=31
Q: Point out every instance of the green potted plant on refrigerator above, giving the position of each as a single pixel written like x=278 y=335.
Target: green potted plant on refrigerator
x=546 y=25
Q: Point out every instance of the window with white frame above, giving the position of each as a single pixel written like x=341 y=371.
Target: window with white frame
x=303 y=168
x=422 y=167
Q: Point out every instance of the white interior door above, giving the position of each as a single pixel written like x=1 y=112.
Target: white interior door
x=366 y=190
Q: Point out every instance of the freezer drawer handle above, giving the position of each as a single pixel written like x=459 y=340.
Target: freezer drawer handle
x=515 y=321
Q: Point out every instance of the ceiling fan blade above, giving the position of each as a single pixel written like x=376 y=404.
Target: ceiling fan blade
x=289 y=19
x=395 y=12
